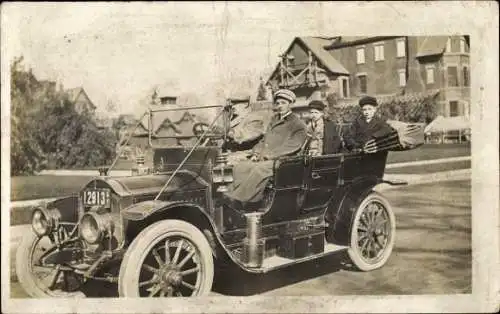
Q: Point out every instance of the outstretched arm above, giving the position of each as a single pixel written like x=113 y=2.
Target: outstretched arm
x=249 y=132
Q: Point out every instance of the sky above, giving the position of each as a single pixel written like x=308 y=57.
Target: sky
x=120 y=51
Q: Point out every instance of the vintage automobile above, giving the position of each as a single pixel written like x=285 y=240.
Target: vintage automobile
x=165 y=226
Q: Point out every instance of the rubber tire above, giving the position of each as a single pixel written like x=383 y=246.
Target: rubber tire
x=25 y=277
x=353 y=253
x=133 y=258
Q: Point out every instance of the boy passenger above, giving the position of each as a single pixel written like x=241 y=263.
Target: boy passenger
x=323 y=132
x=367 y=128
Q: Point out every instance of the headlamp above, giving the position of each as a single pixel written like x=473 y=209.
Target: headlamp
x=94 y=226
x=44 y=221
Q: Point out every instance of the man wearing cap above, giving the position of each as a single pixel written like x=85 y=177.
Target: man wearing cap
x=285 y=135
x=367 y=128
x=246 y=129
x=323 y=132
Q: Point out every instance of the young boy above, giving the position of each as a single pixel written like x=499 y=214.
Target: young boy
x=324 y=136
x=367 y=128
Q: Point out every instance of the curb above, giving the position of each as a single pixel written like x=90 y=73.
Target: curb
x=90 y=173
x=427 y=162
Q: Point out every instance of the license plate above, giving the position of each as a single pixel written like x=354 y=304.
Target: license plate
x=99 y=197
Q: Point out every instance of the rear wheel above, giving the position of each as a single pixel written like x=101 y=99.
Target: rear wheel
x=372 y=233
x=170 y=258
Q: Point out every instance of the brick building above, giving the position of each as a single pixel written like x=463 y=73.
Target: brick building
x=384 y=66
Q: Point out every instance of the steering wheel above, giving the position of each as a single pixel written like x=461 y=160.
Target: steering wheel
x=199 y=128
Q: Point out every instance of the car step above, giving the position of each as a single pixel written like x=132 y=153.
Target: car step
x=276 y=262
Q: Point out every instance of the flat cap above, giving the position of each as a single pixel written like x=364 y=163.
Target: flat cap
x=317 y=104
x=285 y=94
x=368 y=100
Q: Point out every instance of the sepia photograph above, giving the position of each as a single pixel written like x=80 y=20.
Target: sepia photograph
x=250 y=157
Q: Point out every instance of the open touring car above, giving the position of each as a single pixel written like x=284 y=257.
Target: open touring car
x=166 y=227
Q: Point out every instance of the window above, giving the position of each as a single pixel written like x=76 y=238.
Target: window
x=448 y=45
x=462 y=45
x=344 y=87
x=360 y=54
x=466 y=76
x=452 y=76
x=454 y=108
x=429 y=71
x=402 y=77
x=362 y=83
x=379 y=52
x=400 y=47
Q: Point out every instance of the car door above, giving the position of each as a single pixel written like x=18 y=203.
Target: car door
x=288 y=181
x=321 y=181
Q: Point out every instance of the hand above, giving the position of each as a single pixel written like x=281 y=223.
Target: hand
x=370 y=147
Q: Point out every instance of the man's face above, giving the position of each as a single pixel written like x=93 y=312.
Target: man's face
x=316 y=114
x=281 y=105
x=368 y=111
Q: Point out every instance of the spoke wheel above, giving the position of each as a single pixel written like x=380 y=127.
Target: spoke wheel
x=41 y=278
x=372 y=233
x=170 y=258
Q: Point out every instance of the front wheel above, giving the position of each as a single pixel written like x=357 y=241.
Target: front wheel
x=40 y=277
x=170 y=258
x=372 y=233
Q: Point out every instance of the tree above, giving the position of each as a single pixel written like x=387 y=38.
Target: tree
x=71 y=139
x=26 y=154
x=47 y=128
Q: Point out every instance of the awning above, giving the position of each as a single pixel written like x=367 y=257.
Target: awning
x=442 y=124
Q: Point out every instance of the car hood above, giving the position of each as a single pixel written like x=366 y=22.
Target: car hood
x=146 y=184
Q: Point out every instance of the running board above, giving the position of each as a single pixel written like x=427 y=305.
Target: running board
x=277 y=262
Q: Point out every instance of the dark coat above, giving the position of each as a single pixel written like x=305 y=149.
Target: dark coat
x=331 y=138
x=282 y=137
x=361 y=132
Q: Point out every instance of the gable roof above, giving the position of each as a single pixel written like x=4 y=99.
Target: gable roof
x=74 y=93
x=316 y=46
x=431 y=45
x=180 y=121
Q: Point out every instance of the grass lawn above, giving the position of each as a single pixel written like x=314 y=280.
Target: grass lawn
x=430 y=151
x=34 y=187
x=430 y=168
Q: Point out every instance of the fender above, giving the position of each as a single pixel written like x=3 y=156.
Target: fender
x=341 y=211
x=146 y=212
x=142 y=210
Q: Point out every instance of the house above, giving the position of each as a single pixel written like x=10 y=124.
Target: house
x=82 y=102
x=383 y=66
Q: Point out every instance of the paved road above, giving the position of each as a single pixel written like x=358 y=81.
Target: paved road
x=432 y=254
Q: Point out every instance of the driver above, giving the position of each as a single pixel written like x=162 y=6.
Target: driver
x=285 y=135
x=246 y=129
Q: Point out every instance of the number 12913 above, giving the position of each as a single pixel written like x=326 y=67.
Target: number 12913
x=100 y=197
